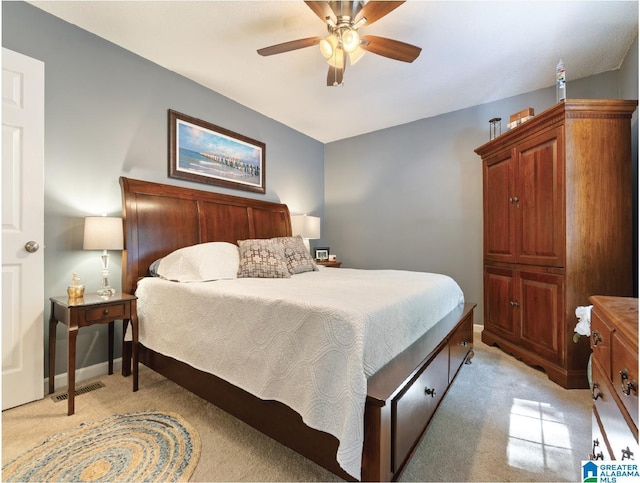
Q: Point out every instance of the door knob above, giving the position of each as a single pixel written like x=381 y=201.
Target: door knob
x=31 y=246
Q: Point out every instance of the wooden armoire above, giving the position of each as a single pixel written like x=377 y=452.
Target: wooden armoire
x=557 y=205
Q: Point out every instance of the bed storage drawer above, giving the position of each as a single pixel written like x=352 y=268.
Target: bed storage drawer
x=459 y=346
x=413 y=407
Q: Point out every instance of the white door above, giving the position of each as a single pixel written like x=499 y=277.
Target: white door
x=22 y=223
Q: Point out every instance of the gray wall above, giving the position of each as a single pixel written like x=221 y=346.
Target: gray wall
x=106 y=117
x=410 y=197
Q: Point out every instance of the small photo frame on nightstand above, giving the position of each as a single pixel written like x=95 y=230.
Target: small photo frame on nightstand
x=322 y=254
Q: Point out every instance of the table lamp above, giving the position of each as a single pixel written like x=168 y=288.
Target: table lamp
x=308 y=227
x=103 y=233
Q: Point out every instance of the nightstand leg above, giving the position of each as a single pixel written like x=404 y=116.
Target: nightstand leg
x=111 y=348
x=72 y=334
x=126 y=350
x=53 y=323
x=134 y=345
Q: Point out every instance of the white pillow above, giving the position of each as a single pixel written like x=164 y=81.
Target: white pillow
x=201 y=263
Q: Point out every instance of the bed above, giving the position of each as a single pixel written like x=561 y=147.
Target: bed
x=365 y=420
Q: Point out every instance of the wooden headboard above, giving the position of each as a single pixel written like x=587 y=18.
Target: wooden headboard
x=159 y=219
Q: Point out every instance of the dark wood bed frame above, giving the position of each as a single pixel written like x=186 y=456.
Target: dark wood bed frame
x=401 y=397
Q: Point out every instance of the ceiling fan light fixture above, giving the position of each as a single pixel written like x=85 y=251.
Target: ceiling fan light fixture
x=350 y=40
x=342 y=20
x=356 y=55
x=337 y=59
x=328 y=46
x=359 y=23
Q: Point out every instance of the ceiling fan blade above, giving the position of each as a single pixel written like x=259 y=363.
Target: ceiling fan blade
x=321 y=9
x=375 y=10
x=393 y=49
x=288 y=46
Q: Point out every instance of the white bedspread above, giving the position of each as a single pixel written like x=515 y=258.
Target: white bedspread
x=309 y=342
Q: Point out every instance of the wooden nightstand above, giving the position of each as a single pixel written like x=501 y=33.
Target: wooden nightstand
x=88 y=310
x=334 y=264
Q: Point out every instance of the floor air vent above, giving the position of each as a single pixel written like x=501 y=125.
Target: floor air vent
x=79 y=391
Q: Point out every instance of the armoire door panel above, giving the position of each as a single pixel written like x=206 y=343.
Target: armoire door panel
x=542 y=329
x=499 y=223
x=499 y=305
x=540 y=191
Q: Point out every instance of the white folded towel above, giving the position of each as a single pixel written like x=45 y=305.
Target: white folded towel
x=583 y=327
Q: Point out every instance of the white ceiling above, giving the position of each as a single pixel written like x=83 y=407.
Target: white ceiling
x=473 y=52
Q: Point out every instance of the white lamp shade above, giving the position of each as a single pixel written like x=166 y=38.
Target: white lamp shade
x=337 y=58
x=350 y=40
x=103 y=233
x=306 y=226
x=328 y=45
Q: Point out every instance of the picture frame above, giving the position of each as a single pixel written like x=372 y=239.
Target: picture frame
x=321 y=254
x=205 y=153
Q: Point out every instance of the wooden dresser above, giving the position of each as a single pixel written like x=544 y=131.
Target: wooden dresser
x=557 y=229
x=614 y=368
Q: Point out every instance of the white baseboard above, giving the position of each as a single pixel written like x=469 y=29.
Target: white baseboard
x=84 y=373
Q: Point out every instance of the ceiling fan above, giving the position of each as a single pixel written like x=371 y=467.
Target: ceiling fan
x=343 y=19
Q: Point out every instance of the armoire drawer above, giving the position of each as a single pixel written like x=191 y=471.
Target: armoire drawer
x=413 y=408
x=601 y=341
x=624 y=374
x=615 y=427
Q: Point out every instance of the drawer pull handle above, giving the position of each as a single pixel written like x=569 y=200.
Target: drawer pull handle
x=595 y=339
x=105 y=312
x=627 y=454
x=594 y=455
x=627 y=386
x=596 y=392
x=464 y=343
x=430 y=391
x=514 y=304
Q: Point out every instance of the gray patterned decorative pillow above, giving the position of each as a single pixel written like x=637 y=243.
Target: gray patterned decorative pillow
x=296 y=254
x=262 y=259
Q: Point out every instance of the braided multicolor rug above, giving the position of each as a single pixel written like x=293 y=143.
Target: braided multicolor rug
x=138 y=446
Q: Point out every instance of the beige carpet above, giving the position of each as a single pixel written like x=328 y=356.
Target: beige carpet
x=500 y=421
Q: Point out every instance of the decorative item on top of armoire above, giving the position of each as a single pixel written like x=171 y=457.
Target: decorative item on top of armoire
x=495 y=127
x=614 y=342
x=557 y=229
x=520 y=117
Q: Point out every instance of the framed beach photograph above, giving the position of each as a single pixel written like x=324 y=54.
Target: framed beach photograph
x=203 y=152
x=321 y=254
